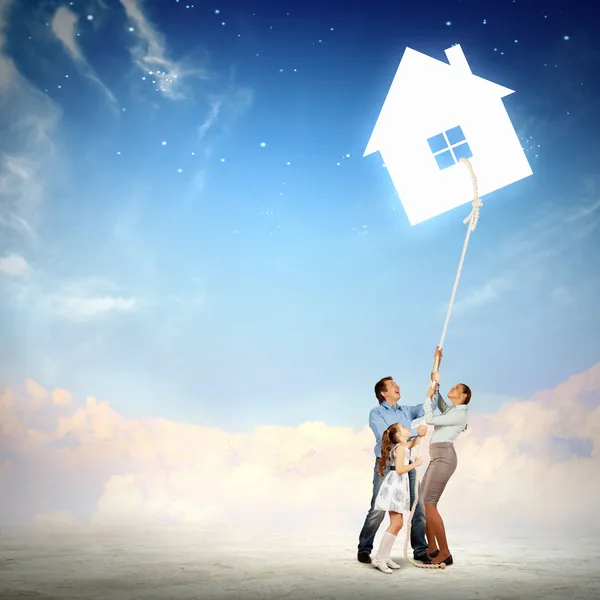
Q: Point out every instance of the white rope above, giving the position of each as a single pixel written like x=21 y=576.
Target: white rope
x=472 y=221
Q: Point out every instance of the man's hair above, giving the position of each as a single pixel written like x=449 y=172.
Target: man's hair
x=466 y=390
x=380 y=387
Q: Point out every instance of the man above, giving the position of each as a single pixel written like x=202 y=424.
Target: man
x=387 y=392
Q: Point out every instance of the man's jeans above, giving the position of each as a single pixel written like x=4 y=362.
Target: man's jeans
x=375 y=517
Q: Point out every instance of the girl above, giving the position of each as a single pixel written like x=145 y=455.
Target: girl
x=394 y=495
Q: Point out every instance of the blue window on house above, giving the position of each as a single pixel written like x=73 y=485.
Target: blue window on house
x=449 y=147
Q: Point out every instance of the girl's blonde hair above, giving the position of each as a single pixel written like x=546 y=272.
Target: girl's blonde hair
x=391 y=437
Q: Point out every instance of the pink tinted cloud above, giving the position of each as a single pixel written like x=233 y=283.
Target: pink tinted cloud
x=531 y=464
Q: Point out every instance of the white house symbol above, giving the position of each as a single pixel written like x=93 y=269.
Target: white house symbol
x=434 y=114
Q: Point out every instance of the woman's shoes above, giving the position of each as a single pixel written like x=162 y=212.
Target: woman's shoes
x=447 y=561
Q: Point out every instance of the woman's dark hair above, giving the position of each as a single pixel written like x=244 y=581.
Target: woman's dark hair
x=467 y=391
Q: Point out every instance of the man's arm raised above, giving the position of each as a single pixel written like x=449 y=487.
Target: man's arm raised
x=416 y=412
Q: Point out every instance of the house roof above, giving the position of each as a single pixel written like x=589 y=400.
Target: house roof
x=422 y=79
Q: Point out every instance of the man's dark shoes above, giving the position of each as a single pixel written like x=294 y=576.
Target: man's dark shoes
x=424 y=558
x=364 y=557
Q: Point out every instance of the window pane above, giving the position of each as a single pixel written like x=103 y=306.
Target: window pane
x=455 y=135
x=437 y=143
x=444 y=159
x=462 y=151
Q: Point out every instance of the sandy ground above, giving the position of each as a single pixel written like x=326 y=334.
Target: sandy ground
x=172 y=565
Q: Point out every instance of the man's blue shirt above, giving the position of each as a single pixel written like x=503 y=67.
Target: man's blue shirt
x=384 y=415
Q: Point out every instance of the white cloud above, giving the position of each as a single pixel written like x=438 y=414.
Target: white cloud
x=77 y=302
x=224 y=100
x=64 y=25
x=485 y=294
x=514 y=467
x=27 y=119
x=150 y=54
x=85 y=299
x=586 y=211
x=530 y=257
x=215 y=109
x=13 y=264
x=78 y=308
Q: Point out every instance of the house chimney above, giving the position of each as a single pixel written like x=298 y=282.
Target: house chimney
x=457 y=59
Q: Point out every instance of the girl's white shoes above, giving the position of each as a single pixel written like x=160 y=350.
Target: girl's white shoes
x=385 y=565
x=381 y=565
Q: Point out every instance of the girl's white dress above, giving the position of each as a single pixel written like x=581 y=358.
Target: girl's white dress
x=394 y=494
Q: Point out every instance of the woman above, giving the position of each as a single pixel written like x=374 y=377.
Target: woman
x=443 y=460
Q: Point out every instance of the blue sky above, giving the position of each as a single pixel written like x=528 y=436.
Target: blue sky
x=156 y=255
